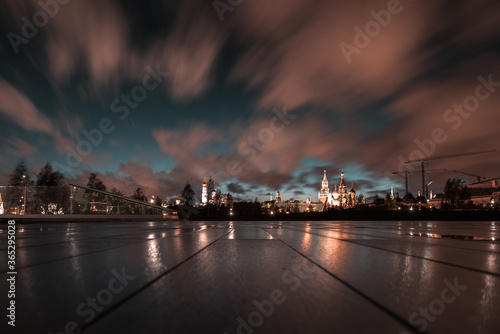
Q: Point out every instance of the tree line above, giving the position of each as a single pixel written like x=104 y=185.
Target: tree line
x=36 y=194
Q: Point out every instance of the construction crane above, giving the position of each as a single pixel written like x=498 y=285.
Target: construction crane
x=474 y=175
x=406 y=174
x=424 y=160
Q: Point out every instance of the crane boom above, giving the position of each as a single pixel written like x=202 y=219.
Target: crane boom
x=423 y=160
x=478 y=177
x=449 y=156
x=406 y=175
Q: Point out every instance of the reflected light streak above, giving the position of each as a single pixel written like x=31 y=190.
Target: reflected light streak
x=306 y=241
x=153 y=257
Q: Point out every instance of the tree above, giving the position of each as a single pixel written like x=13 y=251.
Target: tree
x=187 y=195
x=95 y=183
x=210 y=188
x=115 y=202
x=139 y=195
x=20 y=175
x=456 y=192
x=19 y=179
x=51 y=188
x=117 y=191
x=218 y=197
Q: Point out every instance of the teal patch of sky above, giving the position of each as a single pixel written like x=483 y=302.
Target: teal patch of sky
x=373 y=117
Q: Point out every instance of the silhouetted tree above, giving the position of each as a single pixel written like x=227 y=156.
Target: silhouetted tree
x=187 y=195
x=456 y=192
x=95 y=183
x=218 y=197
x=51 y=188
x=20 y=175
x=210 y=187
x=115 y=201
x=19 y=178
x=117 y=191
x=139 y=195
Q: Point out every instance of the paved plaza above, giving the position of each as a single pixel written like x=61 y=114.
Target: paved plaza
x=255 y=277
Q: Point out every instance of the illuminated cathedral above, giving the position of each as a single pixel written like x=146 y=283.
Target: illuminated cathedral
x=337 y=198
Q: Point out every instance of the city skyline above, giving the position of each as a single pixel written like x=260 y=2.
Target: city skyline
x=260 y=96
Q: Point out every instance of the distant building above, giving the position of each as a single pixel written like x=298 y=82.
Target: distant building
x=1 y=206
x=484 y=193
x=324 y=194
x=213 y=197
x=204 y=193
x=337 y=199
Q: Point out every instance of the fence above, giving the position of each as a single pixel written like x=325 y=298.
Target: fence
x=26 y=200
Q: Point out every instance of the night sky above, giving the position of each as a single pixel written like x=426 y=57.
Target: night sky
x=262 y=94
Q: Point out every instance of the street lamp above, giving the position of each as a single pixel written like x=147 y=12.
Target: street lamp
x=24 y=183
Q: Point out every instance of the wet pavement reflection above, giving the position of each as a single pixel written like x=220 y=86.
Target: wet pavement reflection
x=260 y=277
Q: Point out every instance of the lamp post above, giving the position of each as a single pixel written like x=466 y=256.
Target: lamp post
x=24 y=205
x=72 y=189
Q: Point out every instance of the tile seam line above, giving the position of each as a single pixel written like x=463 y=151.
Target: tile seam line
x=89 y=253
x=414 y=256
x=148 y=284
x=355 y=290
x=87 y=238
x=420 y=242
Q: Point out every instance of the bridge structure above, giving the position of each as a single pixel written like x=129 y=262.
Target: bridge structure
x=166 y=211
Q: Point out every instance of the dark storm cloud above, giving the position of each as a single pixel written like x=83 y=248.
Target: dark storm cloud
x=370 y=109
x=235 y=188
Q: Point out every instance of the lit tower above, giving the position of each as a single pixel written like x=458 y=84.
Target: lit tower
x=204 y=193
x=278 y=197
x=343 y=191
x=324 y=192
x=335 y=197
x=1 y=206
